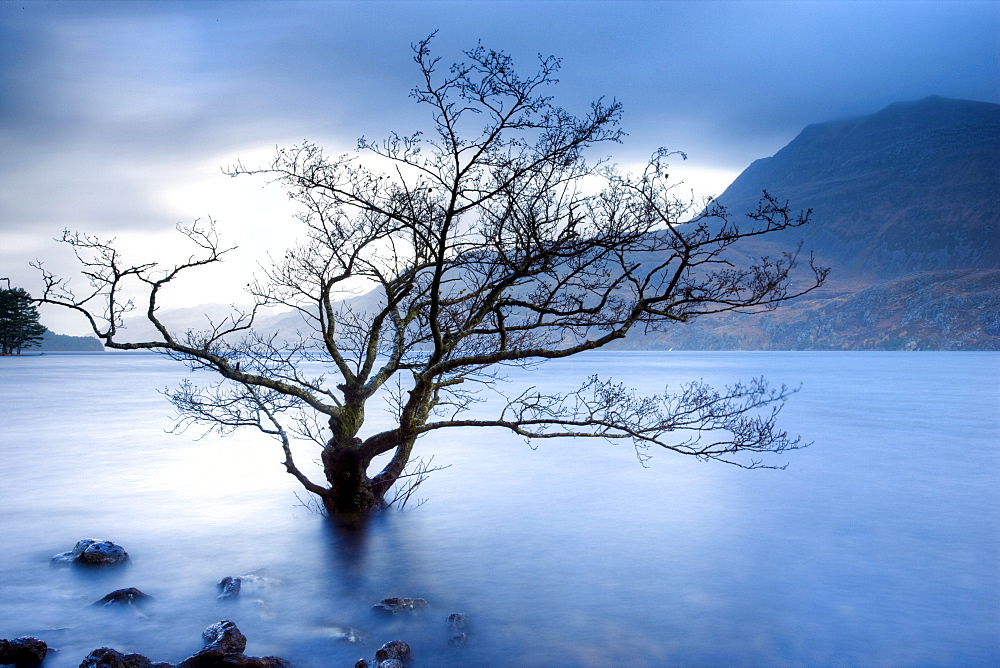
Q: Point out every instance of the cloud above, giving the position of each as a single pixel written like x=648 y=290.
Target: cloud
x=115 y=117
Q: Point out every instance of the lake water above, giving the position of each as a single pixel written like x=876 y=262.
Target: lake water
x=879 y=545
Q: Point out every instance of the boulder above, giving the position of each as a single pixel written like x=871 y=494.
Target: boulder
x=225 y=637
x=224 y=645
x=105 y=657
x=214 y=659
x=211 y=659
x=230 y=588
x=93 y=553
x=393 y=654
x=397 y=605
x=22 y=651
x=395 y=650
x=130 y=596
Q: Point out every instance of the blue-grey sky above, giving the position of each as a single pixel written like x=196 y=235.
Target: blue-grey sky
x=116 y=116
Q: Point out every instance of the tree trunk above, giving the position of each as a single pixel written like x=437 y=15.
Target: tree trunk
x=350 y=494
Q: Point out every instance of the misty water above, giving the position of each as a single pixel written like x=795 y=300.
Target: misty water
x=879 y=545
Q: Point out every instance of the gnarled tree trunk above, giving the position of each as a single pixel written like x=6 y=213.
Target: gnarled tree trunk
x=350 y=493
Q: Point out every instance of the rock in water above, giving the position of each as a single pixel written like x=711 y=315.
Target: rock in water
x=396 y=605
x=93 y=553
x=105 y=657
x=394 y=650
x=458 y=624
x=130 y=596
x=22 y=651
x=230 y=588
x=393 y=654
x=257 y=582
x=225 y=637
x=224 y=645
x=345 y=633
x=104 y=553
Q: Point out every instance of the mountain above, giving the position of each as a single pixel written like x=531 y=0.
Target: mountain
x=913 y=187
x=906 y=213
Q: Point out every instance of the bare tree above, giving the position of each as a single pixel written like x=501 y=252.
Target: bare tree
x=489 y=242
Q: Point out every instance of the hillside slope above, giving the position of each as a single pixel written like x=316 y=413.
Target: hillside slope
x=906 y=212
x=911 y=188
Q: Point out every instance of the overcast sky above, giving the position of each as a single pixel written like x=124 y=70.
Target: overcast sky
x=115 y=117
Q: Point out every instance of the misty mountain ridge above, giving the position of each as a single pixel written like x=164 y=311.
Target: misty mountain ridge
x=905 y=211
x=906 y=214
x=912 y=187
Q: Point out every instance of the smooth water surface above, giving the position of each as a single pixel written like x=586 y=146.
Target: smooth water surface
x=879 y=545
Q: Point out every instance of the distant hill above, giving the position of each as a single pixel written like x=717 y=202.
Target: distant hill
x=946 y=310
x=906 y=212
x=63 y=343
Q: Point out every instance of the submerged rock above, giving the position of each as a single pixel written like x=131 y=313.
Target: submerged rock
x=393 y=654
x=22 y=651
x=396 y=605
x=257 y=582
x=105 y=657
x=213 y=659
x=230 y=588
x=345 y=633
x=225 y=637
x=93 y=553
x=395 y=650
x=130 y=596
x=264 y=611
x=458 y=624
x=224 y=645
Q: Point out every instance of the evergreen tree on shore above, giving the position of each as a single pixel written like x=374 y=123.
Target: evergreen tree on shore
x=19 y=326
